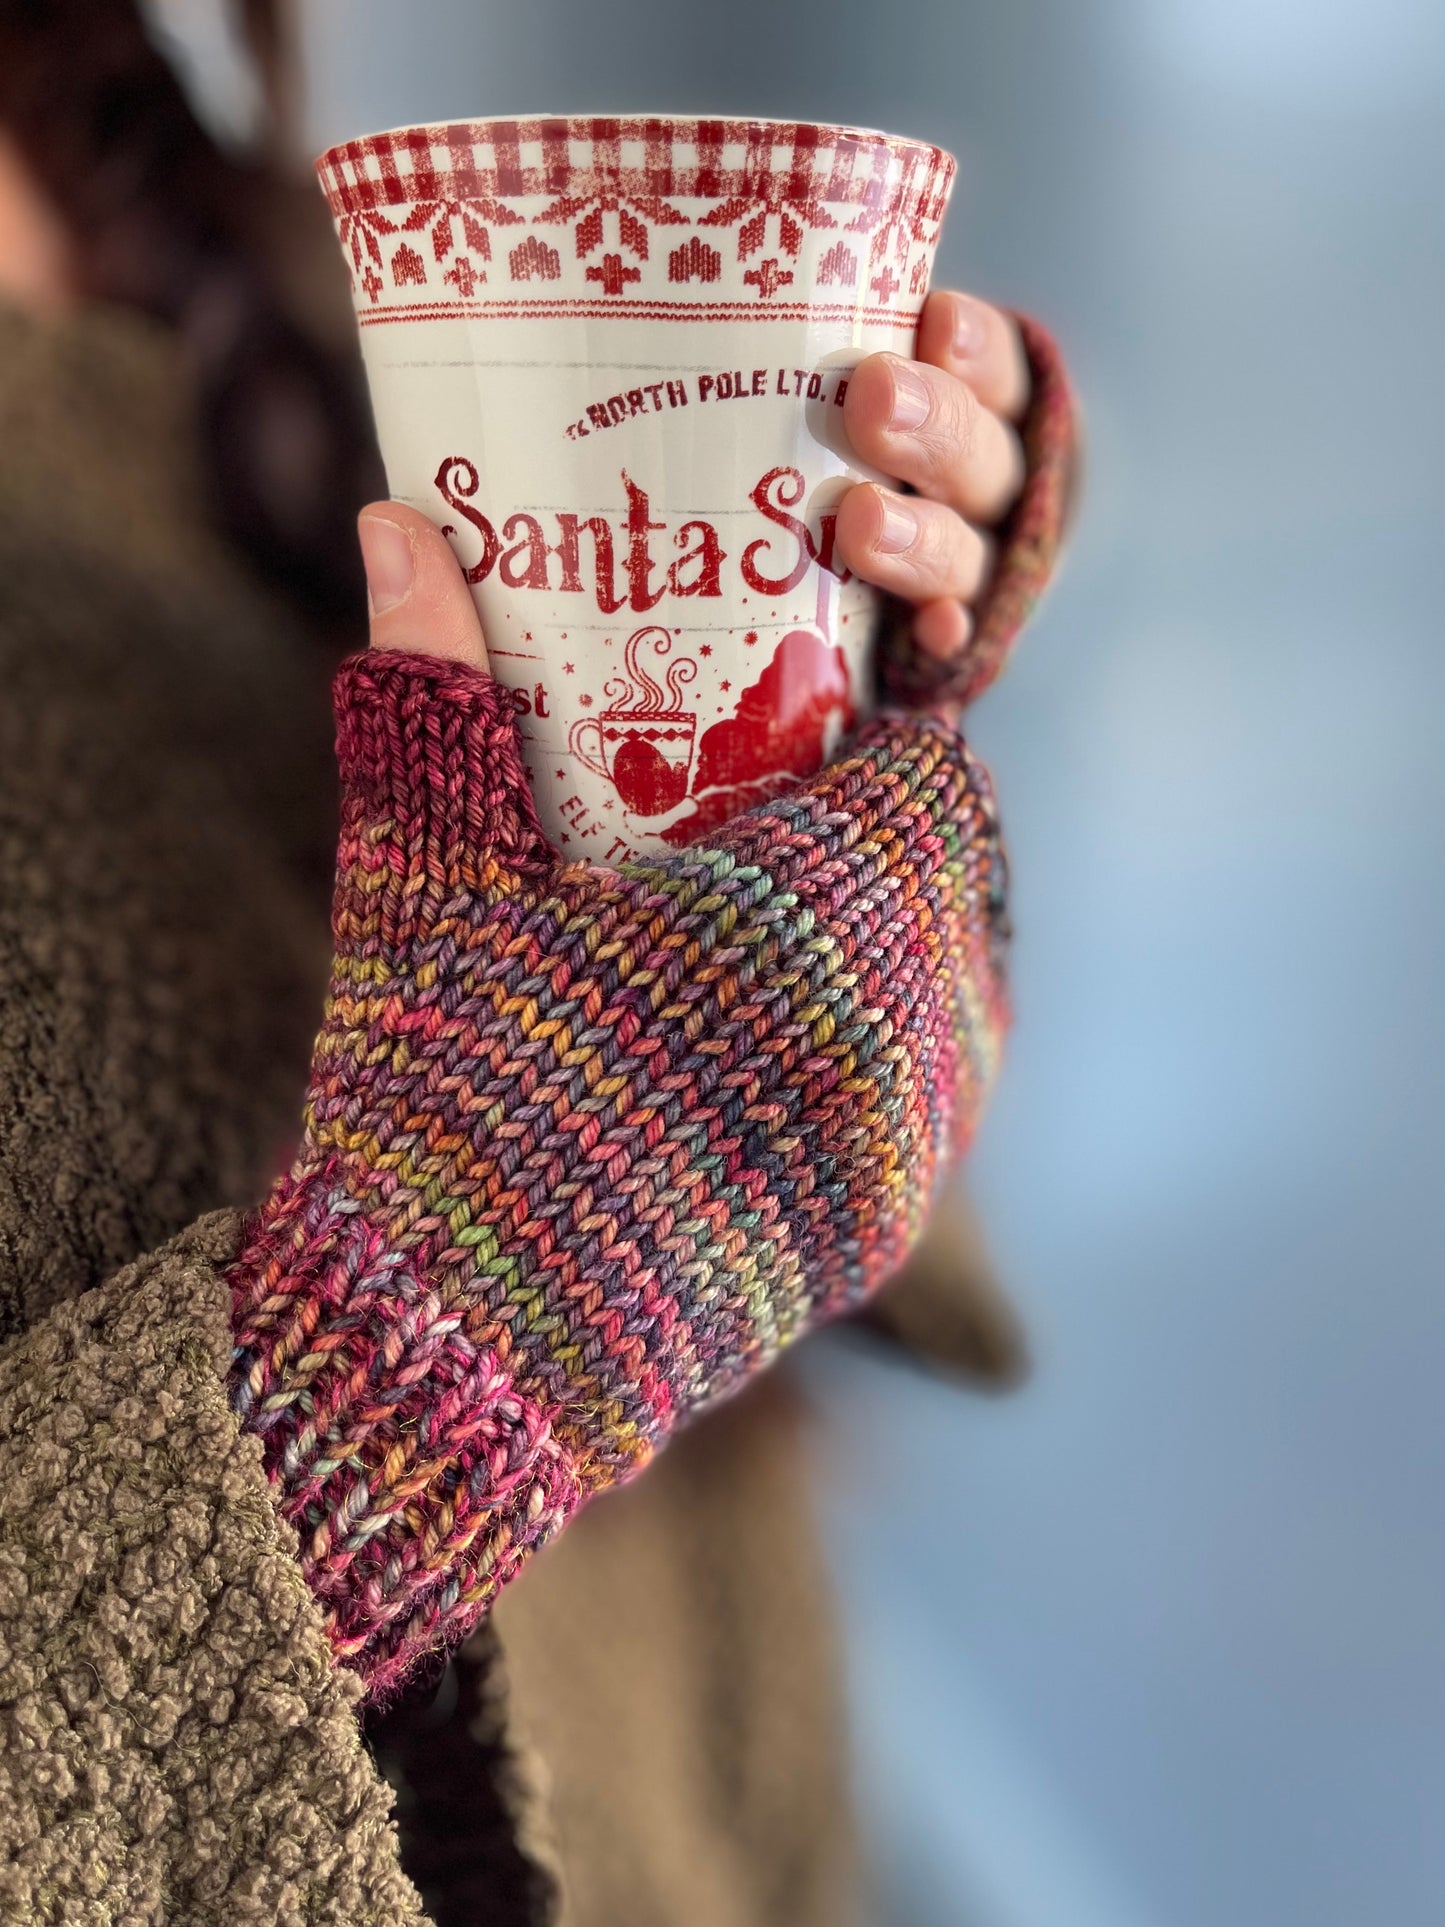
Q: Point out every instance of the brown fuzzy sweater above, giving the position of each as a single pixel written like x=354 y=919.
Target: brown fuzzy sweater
x=175 y=1742
x=179 y=1745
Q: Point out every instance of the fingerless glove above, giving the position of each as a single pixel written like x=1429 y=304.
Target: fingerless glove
x=585 y=1147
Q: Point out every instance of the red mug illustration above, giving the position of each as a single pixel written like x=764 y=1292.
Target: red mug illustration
x=642 y=742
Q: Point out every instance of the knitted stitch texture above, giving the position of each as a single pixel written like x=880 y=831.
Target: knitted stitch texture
x=585 y=1147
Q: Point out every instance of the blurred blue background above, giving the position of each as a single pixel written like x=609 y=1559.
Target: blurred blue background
x=1161 y=1638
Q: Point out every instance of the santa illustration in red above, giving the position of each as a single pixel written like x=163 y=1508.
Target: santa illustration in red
x=784 y=726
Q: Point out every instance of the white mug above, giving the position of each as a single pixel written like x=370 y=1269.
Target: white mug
x=609 y=354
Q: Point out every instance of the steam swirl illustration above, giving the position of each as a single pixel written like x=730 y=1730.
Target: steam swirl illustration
x=642 y=742
x=639 y=691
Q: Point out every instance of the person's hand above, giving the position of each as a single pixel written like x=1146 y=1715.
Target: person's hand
x=935 y=548
x=945 y=424
x=415 y=589
x=585 y=1146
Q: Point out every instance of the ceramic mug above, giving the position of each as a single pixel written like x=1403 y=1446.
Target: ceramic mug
x=609 y=355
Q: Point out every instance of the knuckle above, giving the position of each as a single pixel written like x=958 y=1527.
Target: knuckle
x=956 y=416
x=949 y=438
x=954 y=552
x=939 y=550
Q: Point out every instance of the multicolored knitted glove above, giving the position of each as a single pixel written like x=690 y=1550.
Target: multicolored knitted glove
x=586 y=1147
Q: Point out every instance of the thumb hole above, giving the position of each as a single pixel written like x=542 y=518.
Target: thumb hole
x=418 y=595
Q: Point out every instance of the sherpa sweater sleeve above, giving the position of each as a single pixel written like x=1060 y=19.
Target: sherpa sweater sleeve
x=176 y=1742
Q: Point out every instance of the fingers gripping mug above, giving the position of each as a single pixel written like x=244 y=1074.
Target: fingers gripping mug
x=609 y=356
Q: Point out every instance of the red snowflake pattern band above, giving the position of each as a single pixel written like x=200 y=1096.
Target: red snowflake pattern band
x=605 y=209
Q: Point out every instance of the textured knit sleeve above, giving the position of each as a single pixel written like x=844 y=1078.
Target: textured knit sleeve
x=176 y=1742
x=586 y=1147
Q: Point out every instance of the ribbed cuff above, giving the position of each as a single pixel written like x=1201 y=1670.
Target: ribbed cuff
x=430 y=748
x=417 y=1473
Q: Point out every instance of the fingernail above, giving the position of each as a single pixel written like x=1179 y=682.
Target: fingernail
x=900 y=526
x=390 y=566
x=910 y=397
x=968 y=329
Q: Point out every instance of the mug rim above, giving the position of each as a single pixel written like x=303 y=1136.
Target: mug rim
x=583 y=126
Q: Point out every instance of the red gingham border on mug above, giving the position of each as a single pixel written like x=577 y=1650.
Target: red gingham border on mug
x=593 y=214
x=640 y=156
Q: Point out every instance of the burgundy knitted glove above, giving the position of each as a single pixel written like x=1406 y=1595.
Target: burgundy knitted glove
x=585 y=1147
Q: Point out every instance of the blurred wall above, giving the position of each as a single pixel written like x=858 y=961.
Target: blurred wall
x=1159 y=1640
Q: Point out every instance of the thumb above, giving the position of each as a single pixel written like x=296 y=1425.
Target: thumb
x=415 y=587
